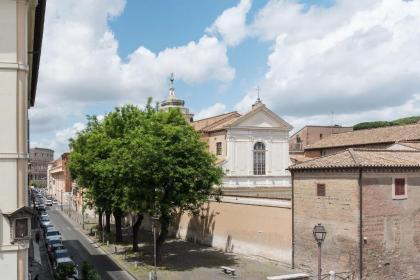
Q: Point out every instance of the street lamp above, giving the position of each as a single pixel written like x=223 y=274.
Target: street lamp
x=319 y=235
x=155 y=221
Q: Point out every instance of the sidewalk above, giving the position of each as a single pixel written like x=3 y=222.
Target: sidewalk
x=187 y=261
x=38 y=259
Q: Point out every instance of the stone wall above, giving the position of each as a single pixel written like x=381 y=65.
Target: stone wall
x=391 y=228
x=242 y=228
x=338 y=211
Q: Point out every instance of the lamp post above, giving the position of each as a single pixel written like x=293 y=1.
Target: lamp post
x=319 y=235
x=155 y=221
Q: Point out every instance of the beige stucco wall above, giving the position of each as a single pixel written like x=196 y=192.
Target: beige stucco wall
x=212 y=138
x=16 y=33
x=247 y=229
x=338 y=211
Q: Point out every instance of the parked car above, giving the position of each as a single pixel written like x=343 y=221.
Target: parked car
x=48 y=202
x=67 y=260
x=45 y=222
x=44 y=215
x=53 y=243
x=52 y=234
x=54 y=247
x=41 y=207
x=59 y=254
x=47 y=227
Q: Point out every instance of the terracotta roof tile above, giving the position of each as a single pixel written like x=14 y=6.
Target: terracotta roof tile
x=355 y=158
x=414 y=145
x=216 y=122
x=391 y=134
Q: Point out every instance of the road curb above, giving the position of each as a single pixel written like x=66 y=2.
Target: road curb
x=116 y=261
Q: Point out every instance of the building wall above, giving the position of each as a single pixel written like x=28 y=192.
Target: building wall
x=39 y=159
x=338 y=211
x=212 y=138
x=391 y=228
x=59 y=179
x=311 y=134
x=239 y=167
x=251 y=228
x=15 y=37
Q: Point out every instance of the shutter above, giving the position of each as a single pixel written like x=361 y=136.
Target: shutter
x=399 y=186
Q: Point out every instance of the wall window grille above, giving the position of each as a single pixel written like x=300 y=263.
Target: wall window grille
x=219 y=148
x=259 y=158
x=320 y=189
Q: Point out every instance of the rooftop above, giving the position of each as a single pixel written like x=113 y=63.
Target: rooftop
x=382 y=135
x=357 y=158
x=216 y=122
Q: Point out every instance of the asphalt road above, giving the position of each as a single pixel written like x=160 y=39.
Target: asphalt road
x=81 y=249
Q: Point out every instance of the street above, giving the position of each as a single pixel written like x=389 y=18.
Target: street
x=82 y=249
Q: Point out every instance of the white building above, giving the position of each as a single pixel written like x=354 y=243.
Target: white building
x=21 y=26
x=254 y=216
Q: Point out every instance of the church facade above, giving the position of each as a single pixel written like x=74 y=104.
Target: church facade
x=254 y=215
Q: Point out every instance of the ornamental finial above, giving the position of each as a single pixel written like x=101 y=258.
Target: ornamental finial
x=171 y=86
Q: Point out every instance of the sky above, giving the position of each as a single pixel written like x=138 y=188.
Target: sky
x=315 y=61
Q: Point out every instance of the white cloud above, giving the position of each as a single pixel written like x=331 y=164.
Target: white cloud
x=231 y=24
x=354 y=58
x=215 y=109
x=80 y=66
x=59 y=143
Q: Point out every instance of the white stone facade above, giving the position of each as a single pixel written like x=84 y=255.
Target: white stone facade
x=259 y=125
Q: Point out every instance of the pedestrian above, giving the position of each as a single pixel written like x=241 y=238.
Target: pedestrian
x=37 y=237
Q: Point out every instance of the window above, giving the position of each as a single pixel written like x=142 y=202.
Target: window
x=320 y=189
x=21 y=228
x=320 y=136
x=259 y=158
x=219 y=148
x=399 y=188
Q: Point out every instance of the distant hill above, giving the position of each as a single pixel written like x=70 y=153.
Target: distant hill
x=366 y=125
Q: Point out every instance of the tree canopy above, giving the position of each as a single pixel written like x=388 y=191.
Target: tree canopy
x=376 y=124
x=144 y=162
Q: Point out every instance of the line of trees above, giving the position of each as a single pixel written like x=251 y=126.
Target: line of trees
x=143 y=162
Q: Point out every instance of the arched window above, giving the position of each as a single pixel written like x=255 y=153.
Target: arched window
x=259 y=158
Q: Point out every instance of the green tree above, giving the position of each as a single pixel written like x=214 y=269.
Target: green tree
x=177 y=167
x=64 y=271
x=88 y=272
x=88 y=149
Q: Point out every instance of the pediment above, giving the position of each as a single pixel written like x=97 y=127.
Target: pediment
x=261 y=117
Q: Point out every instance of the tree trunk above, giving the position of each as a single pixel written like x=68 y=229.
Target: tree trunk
x=164 y=227
x=108 y=222
x=136 y=227
x=118 y=230
x=100 y=225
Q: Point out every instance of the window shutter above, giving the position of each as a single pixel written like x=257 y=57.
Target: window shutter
x=399 y=186
x=320 y=189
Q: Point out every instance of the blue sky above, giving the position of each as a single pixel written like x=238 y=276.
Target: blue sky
x=358 y=59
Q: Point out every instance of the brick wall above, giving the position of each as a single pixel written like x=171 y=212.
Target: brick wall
x=391 y=228
x=338 y=211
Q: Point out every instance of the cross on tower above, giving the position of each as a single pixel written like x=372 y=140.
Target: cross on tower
x=258 y=93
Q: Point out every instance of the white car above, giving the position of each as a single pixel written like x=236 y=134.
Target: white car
x=51 y=234
x=48 y=202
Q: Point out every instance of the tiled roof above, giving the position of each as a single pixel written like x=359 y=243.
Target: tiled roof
x=390 y=134
x=414 y=145
x=355 y=158
x=216 y=122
